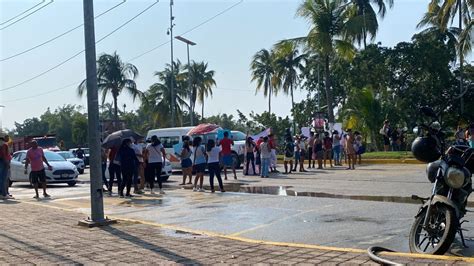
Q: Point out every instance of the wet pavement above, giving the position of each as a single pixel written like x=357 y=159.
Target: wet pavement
x=310 y=208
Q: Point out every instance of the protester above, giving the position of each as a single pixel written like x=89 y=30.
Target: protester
x=103 y=161
x=186 y=162
x=273 y=159
x=460 y=136
x=80 y=153
x=470 y=135
x=213 y=165
x=395 y=135
x=138 y=171
x=266 y=154
x=226 y=145
x=249 y=155
x=318 y=152
x=9 y=147
x=385 y=132
x=5 y=159
x=327 y=147
x=114 y=169
x=310 y=149
x=336 y=147
x=350 y=151
x=156 y=159
x=297 y=153
x=128 y=164
x=35 y=157
x=343 y=147
x=199 y=164
x=302 y=149
x=289 y=153
x=358 y=146
x=258 y=159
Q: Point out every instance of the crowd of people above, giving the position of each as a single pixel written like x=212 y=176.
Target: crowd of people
x=465 y=136
x=394 y=139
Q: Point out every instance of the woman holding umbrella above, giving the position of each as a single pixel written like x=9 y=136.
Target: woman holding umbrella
x=128 y=162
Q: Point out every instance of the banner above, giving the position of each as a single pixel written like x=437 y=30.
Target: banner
x=262 y=134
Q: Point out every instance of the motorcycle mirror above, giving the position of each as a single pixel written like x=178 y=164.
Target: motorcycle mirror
x=428 y=111
x=436 y=126
x=416 y=130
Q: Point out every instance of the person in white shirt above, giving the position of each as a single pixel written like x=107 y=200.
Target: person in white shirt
x=139 y=170
x=265 y=154
x=213 y=164
x=156 y=158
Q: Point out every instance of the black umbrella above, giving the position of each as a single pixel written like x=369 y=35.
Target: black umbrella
x=115 y=139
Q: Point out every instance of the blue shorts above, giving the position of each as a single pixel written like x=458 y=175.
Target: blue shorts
x=186 y=163
x=227 y=160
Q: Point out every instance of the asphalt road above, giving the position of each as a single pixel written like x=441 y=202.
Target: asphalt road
x=352 y=209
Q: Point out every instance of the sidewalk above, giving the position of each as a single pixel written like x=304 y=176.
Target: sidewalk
x=31 y=233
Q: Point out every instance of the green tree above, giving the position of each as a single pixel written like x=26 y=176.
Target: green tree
x=79 y=129
x=288 y=65
x=327 y=37
x=114 y=76
x=31 y=127
x=157 y=100
x=202 y=81
x=263 y=71
x=363 y=18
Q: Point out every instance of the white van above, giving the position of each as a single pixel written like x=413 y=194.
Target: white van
x=173 y=136
x=169 y=137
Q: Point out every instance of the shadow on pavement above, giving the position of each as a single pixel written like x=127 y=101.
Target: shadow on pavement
x=62 y=259
x=148 y=246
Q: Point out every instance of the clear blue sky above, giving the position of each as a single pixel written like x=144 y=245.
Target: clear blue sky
x=227 y=43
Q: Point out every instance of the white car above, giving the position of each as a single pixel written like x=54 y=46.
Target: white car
x=69 y=156
x=62 y=172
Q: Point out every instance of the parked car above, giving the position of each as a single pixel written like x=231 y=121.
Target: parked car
x=62 y=172
x=86 y=154
x=69 y=156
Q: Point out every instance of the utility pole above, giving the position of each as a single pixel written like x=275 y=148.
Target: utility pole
x=461 y=62
x=173 y=108
x=191 y=104
x=97 y=203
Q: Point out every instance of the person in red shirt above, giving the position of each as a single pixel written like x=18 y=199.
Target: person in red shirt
x=35 y=157
x=4 y=167
x=227 y=158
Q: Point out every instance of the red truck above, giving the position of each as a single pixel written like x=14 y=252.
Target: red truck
x=46 y=142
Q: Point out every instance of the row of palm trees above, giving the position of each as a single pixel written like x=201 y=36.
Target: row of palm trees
x=193 y=83
x=336 y=26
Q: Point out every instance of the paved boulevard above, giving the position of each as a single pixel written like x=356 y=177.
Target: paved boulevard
x=352 y=209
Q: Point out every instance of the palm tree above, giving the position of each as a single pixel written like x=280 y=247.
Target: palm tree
x=288 y=64
x=113 y=76
x=363 y=18
x=327 y=37
x=202 y=81
x=263 y=71
x=157 y=100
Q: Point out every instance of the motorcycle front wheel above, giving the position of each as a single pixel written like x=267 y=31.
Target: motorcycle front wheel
x=438 y=236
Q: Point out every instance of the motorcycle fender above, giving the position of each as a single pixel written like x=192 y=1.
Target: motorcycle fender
x=438 y=199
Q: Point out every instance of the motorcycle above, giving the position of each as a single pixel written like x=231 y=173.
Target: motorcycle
x=450 y=170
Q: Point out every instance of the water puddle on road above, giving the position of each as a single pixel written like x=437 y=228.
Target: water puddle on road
x=287 y=191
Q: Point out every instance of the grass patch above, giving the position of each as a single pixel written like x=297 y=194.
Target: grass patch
x=380 y=155
x=388 y=155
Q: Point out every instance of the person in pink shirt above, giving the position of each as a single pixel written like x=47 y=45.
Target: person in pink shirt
x=35 y=157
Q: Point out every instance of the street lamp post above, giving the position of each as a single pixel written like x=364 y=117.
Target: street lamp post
x=1 y=118
x=188 y=43
x=173 y=108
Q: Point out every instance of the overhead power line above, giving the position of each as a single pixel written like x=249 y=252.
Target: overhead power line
x=27 y=15
x=149 y=51
x=188 y=31
x=60 y=35
x=80 y=52
x=14 y=17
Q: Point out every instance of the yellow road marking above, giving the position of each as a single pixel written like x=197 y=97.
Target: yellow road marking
x=263 y=242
